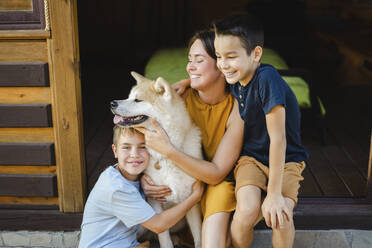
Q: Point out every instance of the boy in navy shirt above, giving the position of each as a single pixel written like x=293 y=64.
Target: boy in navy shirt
x=272 y=157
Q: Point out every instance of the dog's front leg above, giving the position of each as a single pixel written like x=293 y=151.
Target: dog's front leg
x=165 y=240
x=194 y=219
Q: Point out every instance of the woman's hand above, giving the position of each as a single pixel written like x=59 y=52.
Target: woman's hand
x=158 y=192
x=157 y=139
x=181 y=86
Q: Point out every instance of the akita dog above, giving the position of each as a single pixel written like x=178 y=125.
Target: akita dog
x=157 y=100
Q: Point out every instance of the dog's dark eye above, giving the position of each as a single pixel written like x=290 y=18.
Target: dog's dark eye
x=137 y=100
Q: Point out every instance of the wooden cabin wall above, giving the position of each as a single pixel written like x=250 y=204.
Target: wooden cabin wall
x=41 y=153
x=27 y=161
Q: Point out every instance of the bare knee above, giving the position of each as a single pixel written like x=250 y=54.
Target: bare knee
x=247 y=215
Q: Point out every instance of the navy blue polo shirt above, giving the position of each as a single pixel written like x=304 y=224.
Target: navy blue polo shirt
x=265 y=91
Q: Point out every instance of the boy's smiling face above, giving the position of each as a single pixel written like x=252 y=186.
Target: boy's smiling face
x=233 y=60
x=132 y=155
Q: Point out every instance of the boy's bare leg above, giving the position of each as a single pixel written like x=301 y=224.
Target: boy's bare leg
x=214 y=230
x=248 y=210
x=284 y=237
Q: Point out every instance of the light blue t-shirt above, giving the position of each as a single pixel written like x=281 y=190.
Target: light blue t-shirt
x=113 y=211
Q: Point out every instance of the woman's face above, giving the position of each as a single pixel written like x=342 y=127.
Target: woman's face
x=201 y=68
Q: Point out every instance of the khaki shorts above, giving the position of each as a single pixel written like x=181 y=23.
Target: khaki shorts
x=249 y=171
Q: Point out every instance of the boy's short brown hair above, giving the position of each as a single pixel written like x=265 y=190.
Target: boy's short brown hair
x=119 y=130
x=246 y=27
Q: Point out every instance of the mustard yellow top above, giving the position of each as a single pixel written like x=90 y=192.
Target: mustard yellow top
x=211 y=119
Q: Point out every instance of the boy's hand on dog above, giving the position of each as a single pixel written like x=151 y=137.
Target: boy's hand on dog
x=198 y=189
x=158 y=192
x=157 y=139
x=274 y=210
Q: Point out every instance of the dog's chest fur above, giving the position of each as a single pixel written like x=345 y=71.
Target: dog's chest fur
x=164 y=172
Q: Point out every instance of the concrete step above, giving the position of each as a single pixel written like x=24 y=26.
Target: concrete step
x=303 y=239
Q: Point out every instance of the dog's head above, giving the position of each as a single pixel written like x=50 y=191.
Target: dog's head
x=147 y=99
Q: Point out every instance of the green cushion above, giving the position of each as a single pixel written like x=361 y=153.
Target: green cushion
x=300 y=89
x=271 y=57
x=171 y=65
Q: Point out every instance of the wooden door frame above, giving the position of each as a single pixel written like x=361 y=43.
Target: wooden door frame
x=64 y=66
x=369 y=178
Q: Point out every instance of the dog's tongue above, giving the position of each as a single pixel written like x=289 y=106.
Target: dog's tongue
x=118 y=119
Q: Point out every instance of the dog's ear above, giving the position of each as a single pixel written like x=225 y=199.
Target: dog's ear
x=139 y=78
x=162 y=87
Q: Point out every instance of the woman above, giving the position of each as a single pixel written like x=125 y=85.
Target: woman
x=216 y=113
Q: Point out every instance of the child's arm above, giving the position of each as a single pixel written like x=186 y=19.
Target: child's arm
x=168 y=218
x=274 y=204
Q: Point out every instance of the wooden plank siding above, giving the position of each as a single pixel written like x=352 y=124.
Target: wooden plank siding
x=25 y=115
x=27 y=159
x=38 y=135
x=24 y=34
x=28 y=185
x=14 y=201
x=24 y=74
x=24 y=95
x=23 y=51
x=23 y=20
x=28 y=170
x=27 y=154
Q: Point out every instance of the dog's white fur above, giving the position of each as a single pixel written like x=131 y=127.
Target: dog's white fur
x=157 y=100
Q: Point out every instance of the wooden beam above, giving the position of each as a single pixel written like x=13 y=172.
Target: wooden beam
x=25 y=115
x=333 y=216
x=369 y=180
x=27 y=154
x=23 y=51
x=24 y=74
x=27 y=135
x=67 y=105
x=39 y=220
x=321 y=216
x=24 y=95
x=28 y=185
x=328 y=213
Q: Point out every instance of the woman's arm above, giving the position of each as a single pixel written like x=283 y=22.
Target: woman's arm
x=209 y=172
x=168 y=218
x=181 y=86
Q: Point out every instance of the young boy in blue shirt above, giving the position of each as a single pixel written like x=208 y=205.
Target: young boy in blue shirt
x=116 y=206
x=272 y=157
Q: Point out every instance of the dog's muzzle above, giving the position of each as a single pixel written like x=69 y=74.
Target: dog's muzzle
x=126 y=120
